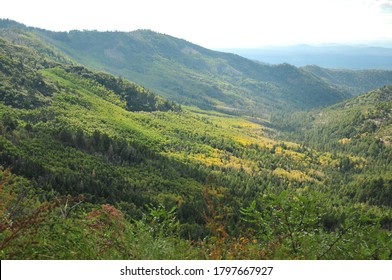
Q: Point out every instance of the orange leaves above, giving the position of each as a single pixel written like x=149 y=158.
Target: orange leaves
x=220 y=244
x=106 y=218
x=108 y=226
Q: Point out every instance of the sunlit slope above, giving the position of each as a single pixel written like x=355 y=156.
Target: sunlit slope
x=364 y=118
x=84 y=133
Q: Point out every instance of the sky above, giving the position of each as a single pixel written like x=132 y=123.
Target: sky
x=217 y=23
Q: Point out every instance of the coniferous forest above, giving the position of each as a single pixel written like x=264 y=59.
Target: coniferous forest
x=140 y=145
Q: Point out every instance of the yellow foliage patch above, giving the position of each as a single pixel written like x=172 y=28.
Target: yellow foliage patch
x=258 y=140
x=296 y=175
x=295 y=155
x=326 y=159
x=359 y=162
x=344 y=140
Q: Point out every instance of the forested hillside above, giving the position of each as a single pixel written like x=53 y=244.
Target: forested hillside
x=190 y=74
x=193 y=75
x=359 y=126
x=93 y=166
x=187 y=73
x=353 y=82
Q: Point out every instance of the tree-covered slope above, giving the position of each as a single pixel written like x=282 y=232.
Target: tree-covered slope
x=365 y=116
x=352 y=81
x=193 y=75
x=359 y=126
x=23 y=84
x=115 y=140
x=96 y=167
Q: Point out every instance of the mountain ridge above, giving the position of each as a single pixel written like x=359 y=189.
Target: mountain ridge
x=353 y=81
x=193 y=75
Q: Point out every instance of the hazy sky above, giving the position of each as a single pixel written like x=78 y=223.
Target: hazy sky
x=217 y=23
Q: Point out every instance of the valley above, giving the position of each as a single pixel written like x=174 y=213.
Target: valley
x=140 y=145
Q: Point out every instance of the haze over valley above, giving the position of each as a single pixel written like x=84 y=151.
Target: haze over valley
x=337 y=56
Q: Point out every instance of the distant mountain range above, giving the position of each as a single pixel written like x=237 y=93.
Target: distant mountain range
x=330 y=56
